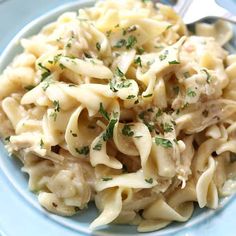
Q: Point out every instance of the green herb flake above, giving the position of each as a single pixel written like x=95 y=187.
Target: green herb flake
x=126 y=131
x=150 y=181
x=163 y=56
x=148 y=95
x=103 y=112
x=138 y=61
x=57 y=109
x=150 y=126
x=98 y=46
x=83 y=151
x=106 y=178
x=56 y=105
x=108 y=33
x=41 y=143
x=46 y=83
x=87 y=55
x=163 y=142
x=131 y=97
x=45 y=71
x=168 y=27
x=124 y=84
x=7 y=139
x=98 y=146
x=118 y=72
x=121 y=43
x=29 y=87
x=167 y=127
x=159 y=113
x=73 y=134
x=208 y=76
x=112 y=85
x=191 y=93
x=173 y=62
x=138 y=136
x=186 y=74
x=140 y=51
x=131 y=41
x=108 y=134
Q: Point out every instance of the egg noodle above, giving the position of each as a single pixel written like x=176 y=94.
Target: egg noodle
x=121 y=105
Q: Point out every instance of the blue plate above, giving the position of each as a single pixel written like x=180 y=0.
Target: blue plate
x=20 y=213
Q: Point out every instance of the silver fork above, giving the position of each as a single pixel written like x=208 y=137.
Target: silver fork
x=196 y=10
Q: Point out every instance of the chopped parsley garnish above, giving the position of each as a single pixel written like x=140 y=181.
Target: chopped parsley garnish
x=106 y=178
x=163 y=142
x=41 y=143
x=186 y=74
x=46 y=83
x=118 y=72
x=150 y=126
x=129 y=29
x=150 y=181
x=140 y=51
x=167 y=127
x=56 y=105
x=191 y=93
x=68 y=45
x=7 y=139
x=72 y=85
x=121 y=43
x=148 y=95
x=29 y=87
x=103 y=112
x=131 y=41
x=115 y=85
x=138 y=61
x=173 y=62
x=168 y=27
x=138 y=136
x=131 y=96
x=112 y=84
x=57 y=109
x=73 y=134
x=108 y=134
x=159 y=113
x=208 y=76
x=87 y=55
x=98 y=146
x=205 y=113
x=126 y=131
x=124 y=84
x=98 y=46
x=163 y=56
x=108 y=33
x=46 y=71
x=83 y=151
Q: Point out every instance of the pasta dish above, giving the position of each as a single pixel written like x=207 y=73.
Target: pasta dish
x=121 y=105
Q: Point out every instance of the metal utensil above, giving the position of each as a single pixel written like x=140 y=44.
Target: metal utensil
x=195 y=10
